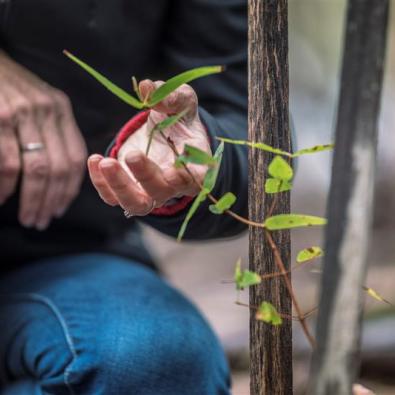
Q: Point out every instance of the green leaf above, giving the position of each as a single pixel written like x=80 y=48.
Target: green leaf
x=116 y=90
x=208 y=185
x=261 y=146
x=268 y=148
x=375 y=295
x=268 y=313
x=173 y=83
x=309 y=253
x=211 y=176
x=273 y=185
x=200 y=198
x=313 y=150
x=288 y=221
x=196 y=156
x=245 y=278
x=223 y=204
x=280 y=169
x=166 y=123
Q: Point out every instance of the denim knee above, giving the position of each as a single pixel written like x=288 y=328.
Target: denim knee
x=35 y=344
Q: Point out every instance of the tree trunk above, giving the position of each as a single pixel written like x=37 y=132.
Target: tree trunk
x=335 y=364
x=271 y=346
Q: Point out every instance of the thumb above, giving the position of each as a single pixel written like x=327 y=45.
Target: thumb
x=183 y=98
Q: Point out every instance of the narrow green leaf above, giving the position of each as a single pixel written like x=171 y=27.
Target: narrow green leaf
x=308 y=254
x=245 y=278
x=116 y=90
x=288 y=221
x=173 y=83
x=200 y=198
x=166 y=123
x=375 y=295
x=280 y=169
x=223 y=204
x=261 y=146
x=196 y=156
x=313 y=150
x=211 y=176
x=273 y=185
x=268 y=313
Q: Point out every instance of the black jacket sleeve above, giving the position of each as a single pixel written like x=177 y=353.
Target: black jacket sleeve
x=211 y=32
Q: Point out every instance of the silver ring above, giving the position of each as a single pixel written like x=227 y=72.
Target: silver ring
x=129 y=214
x=30 y=147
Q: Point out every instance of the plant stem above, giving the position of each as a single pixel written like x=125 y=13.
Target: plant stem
x=288 y=284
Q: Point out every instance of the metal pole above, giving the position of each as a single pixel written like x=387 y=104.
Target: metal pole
x=335 y=363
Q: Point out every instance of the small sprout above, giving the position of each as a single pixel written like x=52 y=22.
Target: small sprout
x=308 y=254
x=288 y=221
x=136 y=88
x=223 y=204
x=268 y=313
x=274 y=185
x=245 y=278
x=158 y=95
x=280 y=169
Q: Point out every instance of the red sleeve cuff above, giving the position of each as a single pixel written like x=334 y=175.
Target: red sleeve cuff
x=127 y=130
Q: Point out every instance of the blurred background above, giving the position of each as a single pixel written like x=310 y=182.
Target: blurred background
x=315 y=39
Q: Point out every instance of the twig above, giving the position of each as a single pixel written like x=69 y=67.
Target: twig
x=280 y=265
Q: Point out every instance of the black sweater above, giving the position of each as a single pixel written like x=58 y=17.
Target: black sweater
x=151 y=39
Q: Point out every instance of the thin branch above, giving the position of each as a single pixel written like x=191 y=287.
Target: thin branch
x=280 y=265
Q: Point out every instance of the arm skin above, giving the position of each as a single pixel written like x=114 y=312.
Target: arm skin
x=200 y=33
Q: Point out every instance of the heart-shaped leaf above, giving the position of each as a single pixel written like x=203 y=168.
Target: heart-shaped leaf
x=223 y=204
x=245 y=278
x=309 y=253
x=274 y=185
x=280 y=169
x=268 y=313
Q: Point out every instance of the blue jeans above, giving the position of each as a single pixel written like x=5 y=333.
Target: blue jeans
x=101 y=325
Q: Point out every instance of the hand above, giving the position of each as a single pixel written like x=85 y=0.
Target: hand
x=358 y=389
x=32 y=112
x=137 y=182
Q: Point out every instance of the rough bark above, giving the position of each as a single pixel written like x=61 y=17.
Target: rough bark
x=335 y=364
x=271 y=347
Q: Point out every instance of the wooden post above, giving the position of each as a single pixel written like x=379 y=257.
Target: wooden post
x=335 y=363
x=270 y=347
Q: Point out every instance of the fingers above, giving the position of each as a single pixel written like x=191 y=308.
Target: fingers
x=150 y=177
x=183 y=98
x=99 y=181
x=75 y=152
x=57 y=160
x=35 y=166
x=9 y=154
x=128 y=194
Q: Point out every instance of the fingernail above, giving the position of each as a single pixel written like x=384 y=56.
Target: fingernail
x=106 y=164
x=42 y=225
x=27 y=222
x=133 y=157
x=59 y=213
